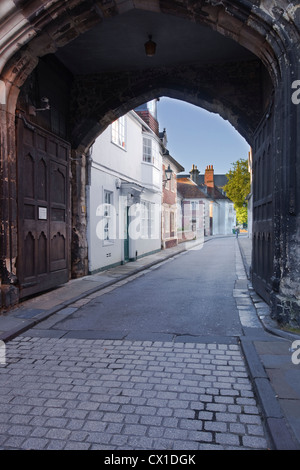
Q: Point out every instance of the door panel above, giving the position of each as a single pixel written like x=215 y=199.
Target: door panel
x=262 y=243
x=43 y=209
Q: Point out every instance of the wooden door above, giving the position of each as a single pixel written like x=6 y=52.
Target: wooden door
x=43 y=209
x=263 y=181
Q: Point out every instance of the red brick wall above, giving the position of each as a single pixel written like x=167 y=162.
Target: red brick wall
x=169 y=196
x=171 y=243
x=150 y=120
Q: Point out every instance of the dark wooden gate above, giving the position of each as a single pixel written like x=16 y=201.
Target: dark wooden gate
x=263 y=210
x=43 y=209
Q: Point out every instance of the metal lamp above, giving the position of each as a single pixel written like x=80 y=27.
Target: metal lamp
x=150 y=47
x=168 y=173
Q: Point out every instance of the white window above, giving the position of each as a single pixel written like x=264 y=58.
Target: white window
x=152 y=107
x=118 y=132
x=167 y=223
x=108 y=222
x=155 y=153
x=147 y=150
x=150 y=151
x=153 y=222
x=144 y=219
x=172 y=224
x=148 y=228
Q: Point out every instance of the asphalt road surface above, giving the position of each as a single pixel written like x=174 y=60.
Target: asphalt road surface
x=189 y=295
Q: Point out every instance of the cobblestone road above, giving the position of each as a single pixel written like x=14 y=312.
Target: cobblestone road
x=105 y=394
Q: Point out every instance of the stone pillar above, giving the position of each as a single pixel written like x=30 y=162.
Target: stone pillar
x=79 y=248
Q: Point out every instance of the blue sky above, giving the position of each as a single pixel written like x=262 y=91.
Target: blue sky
x=198 y=137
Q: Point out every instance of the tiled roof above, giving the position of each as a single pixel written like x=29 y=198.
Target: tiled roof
x=219 y=180
x=169 y=157
x=185 y=180
x=209 y=192
x=190 y=190
x=214 y=193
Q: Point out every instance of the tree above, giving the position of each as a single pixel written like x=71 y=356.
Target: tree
x=238 y=188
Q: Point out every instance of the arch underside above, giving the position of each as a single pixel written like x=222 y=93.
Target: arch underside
x=235 y=58
x=200 y=45
x=234 y=91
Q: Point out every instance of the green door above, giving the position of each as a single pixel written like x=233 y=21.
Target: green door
x=126 y=234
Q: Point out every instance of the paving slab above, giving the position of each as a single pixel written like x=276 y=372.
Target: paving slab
x=271 y=354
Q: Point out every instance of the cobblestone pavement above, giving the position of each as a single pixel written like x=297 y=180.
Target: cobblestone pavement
x=114 y=394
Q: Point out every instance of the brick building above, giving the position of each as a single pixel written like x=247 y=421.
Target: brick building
x=169 y=235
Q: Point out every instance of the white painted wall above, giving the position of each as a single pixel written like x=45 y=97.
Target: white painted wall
x=223 y=217
x=112 y=164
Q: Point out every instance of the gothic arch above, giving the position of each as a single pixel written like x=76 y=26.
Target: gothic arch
x=268 y=28
x=42 y=27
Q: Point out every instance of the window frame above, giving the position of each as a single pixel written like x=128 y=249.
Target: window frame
x=147 y=156
x=107 y=216
x=172 y=224
x=147 y=220
x=151 y=157
x=119 y=132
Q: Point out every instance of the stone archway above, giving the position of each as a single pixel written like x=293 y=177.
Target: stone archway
x=268 y=29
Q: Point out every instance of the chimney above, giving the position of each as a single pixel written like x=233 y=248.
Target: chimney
x=148 y=112
x=209 y=176
x=194 y=174
x=150 y=120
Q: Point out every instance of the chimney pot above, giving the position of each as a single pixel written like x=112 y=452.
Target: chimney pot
x=209 y=176
x=194 y=173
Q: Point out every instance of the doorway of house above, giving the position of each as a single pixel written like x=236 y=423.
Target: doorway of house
x=126 y=234
x=43 y=209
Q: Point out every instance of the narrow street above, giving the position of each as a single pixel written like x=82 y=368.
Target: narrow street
x=191 y=295
x=152 y=362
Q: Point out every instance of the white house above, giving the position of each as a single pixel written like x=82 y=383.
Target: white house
x=223 y=213
x=191 y=210
x=124 y=195
x=220 y=217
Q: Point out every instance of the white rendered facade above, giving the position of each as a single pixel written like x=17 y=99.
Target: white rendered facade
x=224 y=219
x=124 y=195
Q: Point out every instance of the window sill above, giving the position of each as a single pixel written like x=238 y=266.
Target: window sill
x=108 y=242
x=151 y=164
x=119 y=146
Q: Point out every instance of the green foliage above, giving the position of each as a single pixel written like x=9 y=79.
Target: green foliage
x=238 y=187
x=241 y=215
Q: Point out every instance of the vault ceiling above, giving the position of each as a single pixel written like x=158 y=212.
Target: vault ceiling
x=117 y=44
